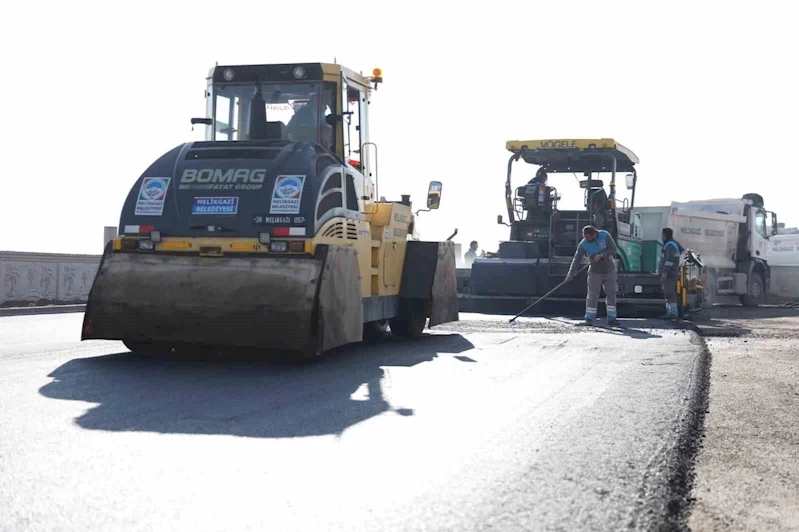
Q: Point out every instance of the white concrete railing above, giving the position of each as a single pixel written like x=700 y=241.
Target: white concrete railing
x=45 y=278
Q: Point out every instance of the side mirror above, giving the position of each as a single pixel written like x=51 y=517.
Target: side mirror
x=774 y=227
x=499 y=219
x=434 y=195
x=630 y=181
x=204 y=121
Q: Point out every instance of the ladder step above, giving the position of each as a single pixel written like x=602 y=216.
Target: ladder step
x=375 y=270
x=376 y=243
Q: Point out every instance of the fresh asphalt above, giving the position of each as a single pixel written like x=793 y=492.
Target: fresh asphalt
x=480 y=425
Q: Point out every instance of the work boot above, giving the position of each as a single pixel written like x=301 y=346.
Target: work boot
x=668 y=316
x=614 y=322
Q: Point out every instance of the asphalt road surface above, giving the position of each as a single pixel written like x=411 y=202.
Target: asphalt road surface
x=482 y=426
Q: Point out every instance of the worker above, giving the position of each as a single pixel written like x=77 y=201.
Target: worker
x=600 y=249
x=536 y=188
x=470 y=255
x=303 y=124
x=540 y=177
x=669 y=271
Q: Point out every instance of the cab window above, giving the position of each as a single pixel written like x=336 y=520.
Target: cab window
x=227 y=117
x=328 y=108
x=760 y=223
x=289 y=111
x=352 y=98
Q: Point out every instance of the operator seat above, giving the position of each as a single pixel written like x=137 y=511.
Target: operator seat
x=599 y=200
x=600 y=205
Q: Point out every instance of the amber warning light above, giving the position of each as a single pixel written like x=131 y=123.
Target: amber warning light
x=377 y=76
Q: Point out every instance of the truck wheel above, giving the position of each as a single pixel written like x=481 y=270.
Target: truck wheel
x=754 y=291
x=411 y=324
x=147 y=348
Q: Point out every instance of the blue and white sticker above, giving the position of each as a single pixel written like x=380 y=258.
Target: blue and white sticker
x=152 y=195
x=287 y=194
x=215 y=206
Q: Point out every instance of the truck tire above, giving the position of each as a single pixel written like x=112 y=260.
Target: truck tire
x=411 y=324
x=755 y=290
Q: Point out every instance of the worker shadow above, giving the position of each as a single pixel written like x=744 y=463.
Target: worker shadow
x=626 y=329
x=630 y=332
x=242 y=395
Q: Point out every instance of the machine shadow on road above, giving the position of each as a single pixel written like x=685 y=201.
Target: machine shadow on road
x=232 y=395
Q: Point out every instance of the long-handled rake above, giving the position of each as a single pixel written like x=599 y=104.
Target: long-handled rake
x=540 y=299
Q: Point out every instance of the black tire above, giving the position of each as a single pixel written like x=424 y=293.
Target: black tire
x=413 y=321
x=755 y=290
x=374 y=330
x=147 y=348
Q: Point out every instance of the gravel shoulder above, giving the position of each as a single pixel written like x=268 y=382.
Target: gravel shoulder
x=747 y=472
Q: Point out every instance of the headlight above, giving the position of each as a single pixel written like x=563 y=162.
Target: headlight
x=299 y=72
x=155 y=236
x=278 y=247
x=264 y=238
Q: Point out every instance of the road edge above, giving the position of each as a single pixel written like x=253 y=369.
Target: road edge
x=48 y=309
x=682 y=463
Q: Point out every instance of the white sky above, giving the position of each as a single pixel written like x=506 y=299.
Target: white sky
x=705 y=93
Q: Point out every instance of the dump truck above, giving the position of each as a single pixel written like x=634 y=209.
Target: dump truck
x=732 y=237
x=544 y=237
x=270 y=233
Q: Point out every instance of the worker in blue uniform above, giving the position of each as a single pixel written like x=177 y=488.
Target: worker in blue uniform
x=540 y=177
x=669 y=271
x=600 y=248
